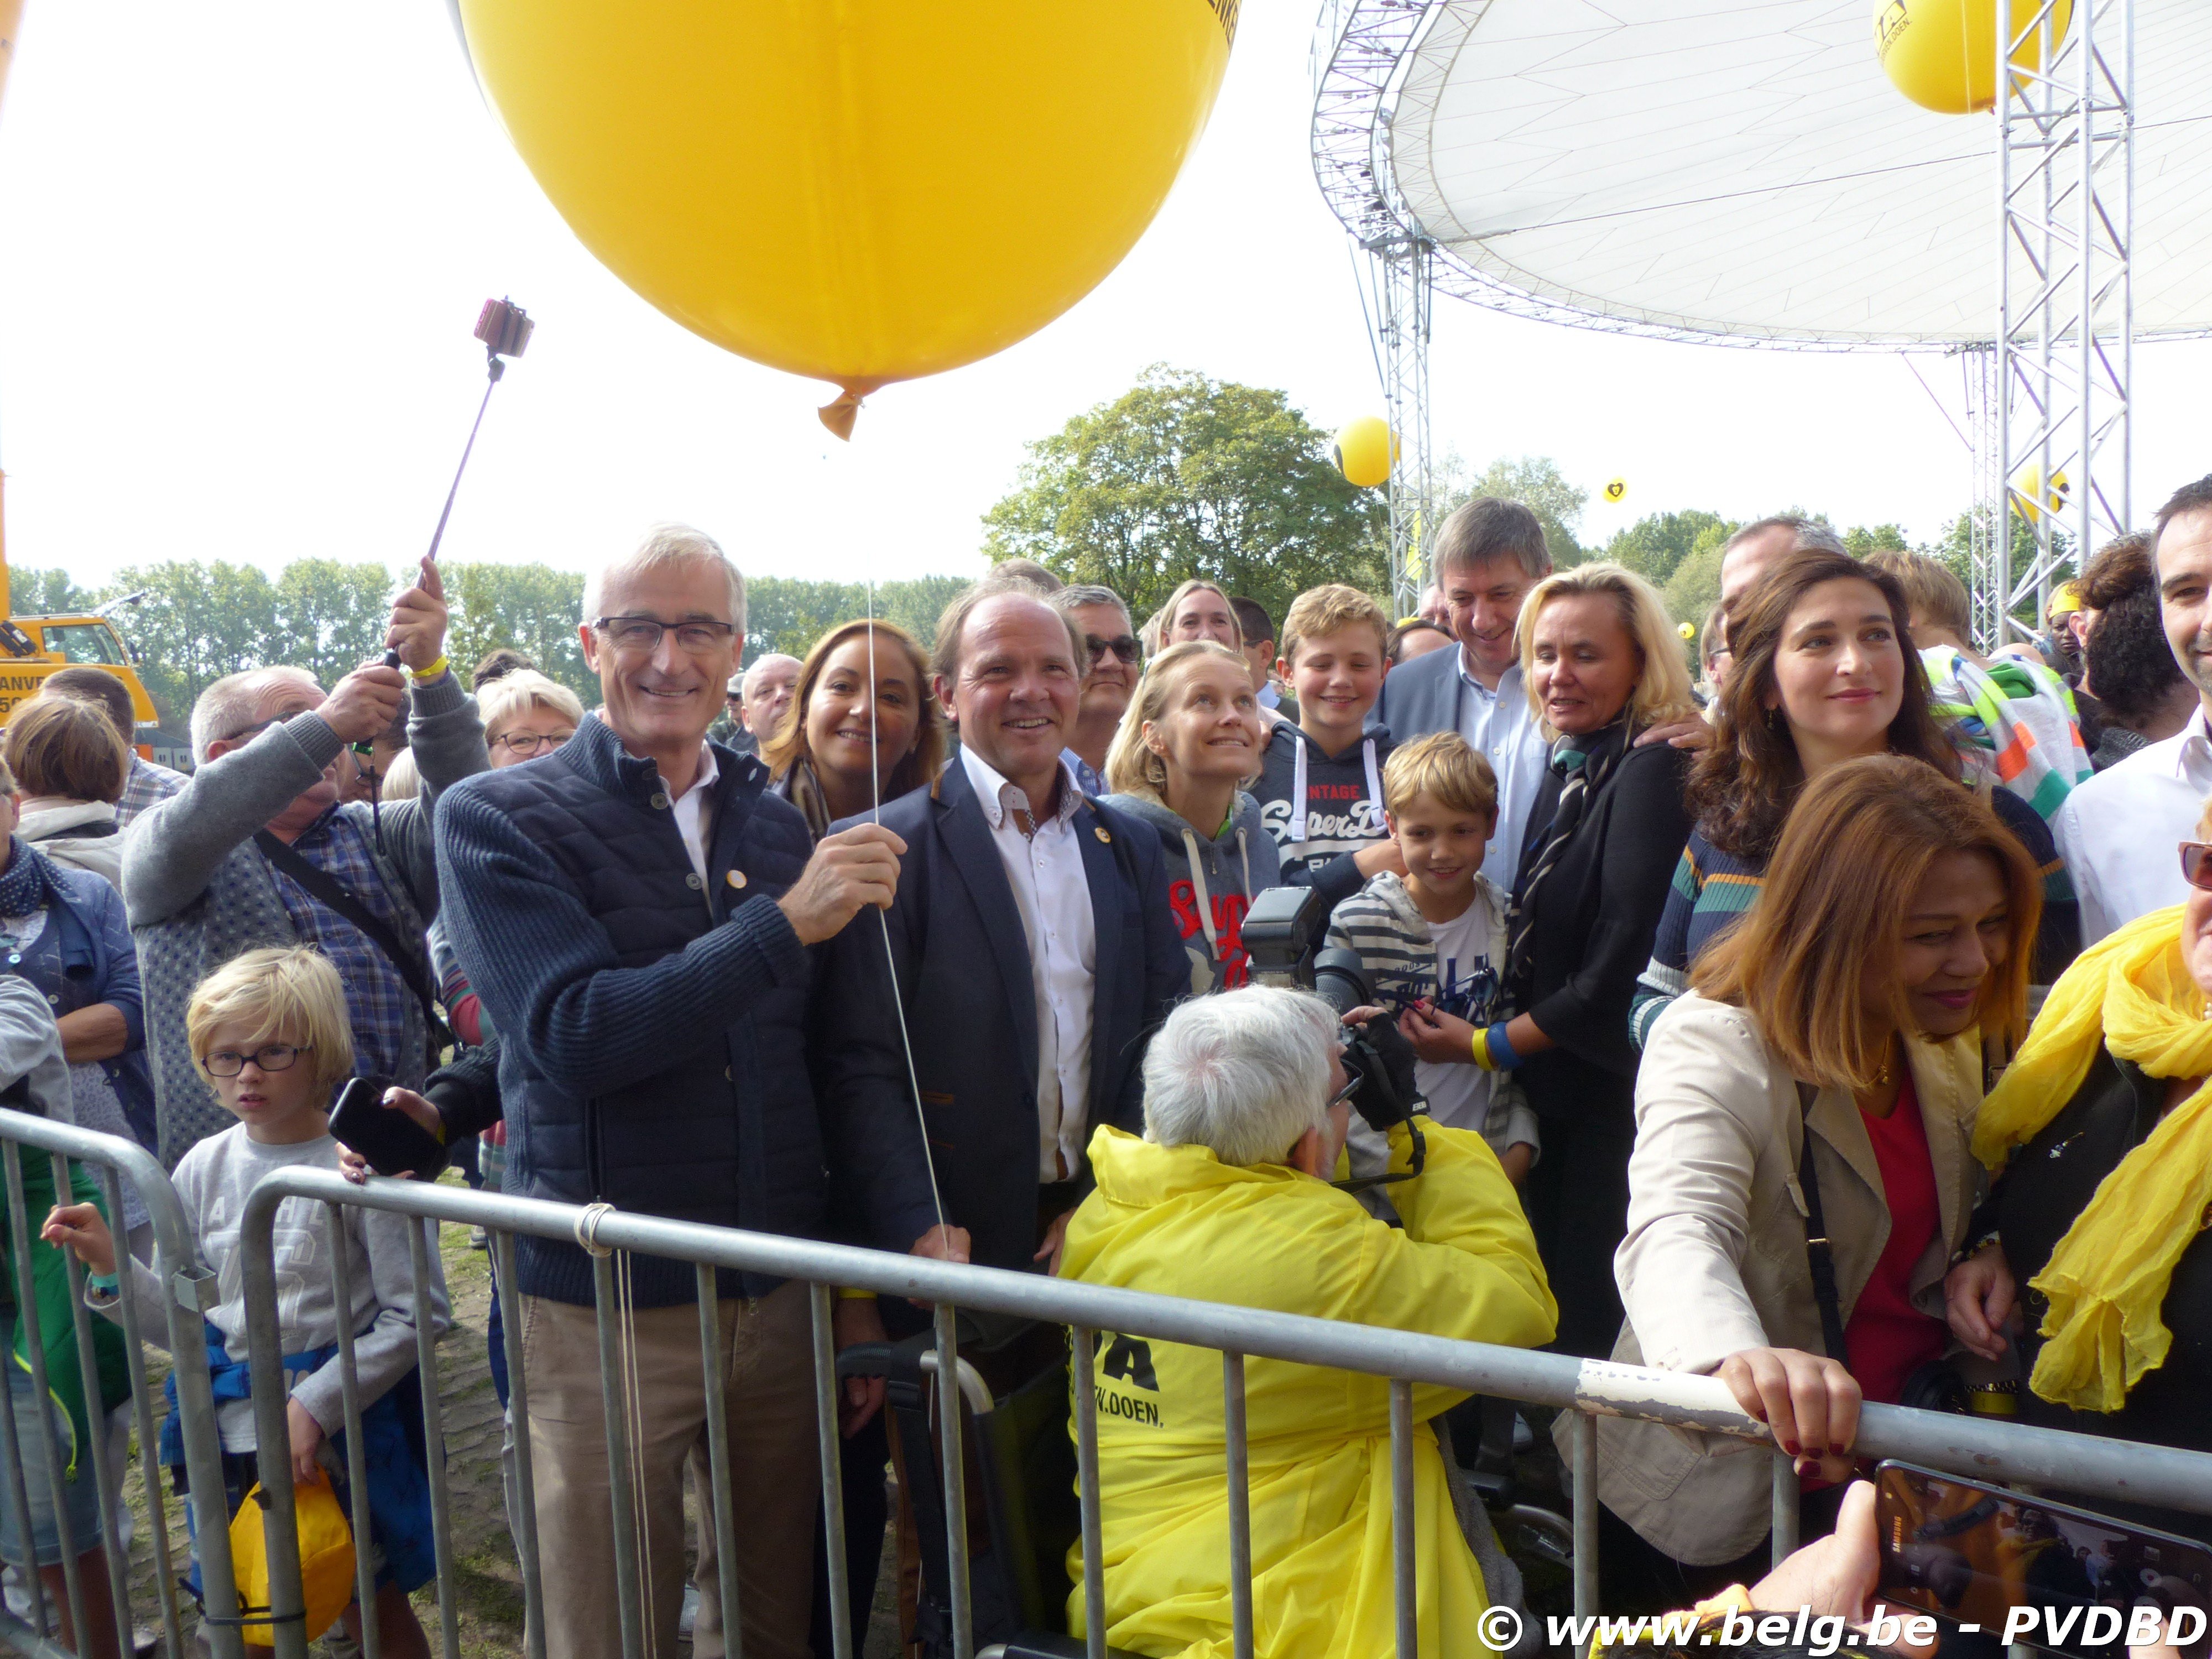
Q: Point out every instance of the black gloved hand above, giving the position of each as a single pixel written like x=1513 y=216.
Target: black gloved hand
x=1386 y=1093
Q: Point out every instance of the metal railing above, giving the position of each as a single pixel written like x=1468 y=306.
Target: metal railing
x=188 y=1290
x=1978 y=1447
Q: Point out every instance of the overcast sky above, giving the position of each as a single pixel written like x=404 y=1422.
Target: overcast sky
x=242 y=247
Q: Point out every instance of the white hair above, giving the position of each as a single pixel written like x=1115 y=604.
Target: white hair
x=228 y=706
x=1243 y=1072
x=665 y=544
x=513 y=696
x=746 y=683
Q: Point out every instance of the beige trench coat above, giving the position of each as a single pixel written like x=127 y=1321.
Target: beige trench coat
x=1714 y=1261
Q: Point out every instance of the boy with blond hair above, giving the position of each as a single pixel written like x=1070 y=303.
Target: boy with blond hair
x=1433 y=941
x=1321 y=781
x=270 y=1036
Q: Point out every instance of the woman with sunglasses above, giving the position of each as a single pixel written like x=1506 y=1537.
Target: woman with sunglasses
x=863 y=725
x=2090 y=1258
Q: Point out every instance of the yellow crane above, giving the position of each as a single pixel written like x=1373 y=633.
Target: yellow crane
x=32 y=647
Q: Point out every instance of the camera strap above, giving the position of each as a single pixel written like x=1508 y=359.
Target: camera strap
x=328 y=892
x=1818 y=1257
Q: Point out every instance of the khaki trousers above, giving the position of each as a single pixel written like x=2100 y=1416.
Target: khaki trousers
x=766 y=1365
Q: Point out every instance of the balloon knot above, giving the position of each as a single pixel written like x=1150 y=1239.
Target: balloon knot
x=839 y=414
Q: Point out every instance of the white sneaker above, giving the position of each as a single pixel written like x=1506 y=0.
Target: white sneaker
x=690 y=1614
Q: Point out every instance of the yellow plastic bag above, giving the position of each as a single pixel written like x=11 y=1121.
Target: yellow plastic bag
x=326 y=1560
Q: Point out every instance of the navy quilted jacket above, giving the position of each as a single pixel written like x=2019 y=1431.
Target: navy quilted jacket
x=652 y=1026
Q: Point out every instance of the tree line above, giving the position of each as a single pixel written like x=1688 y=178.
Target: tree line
x=197 y=622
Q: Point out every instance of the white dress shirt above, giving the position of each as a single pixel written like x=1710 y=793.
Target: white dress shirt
x=2118 y=832
x=1500 y=727
x=1053 y=896
x=691 y=813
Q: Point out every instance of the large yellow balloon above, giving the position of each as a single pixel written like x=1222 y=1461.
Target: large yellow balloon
x=1942 y=54
x=2029 y=491
x=860 y=190
x=1366 y=450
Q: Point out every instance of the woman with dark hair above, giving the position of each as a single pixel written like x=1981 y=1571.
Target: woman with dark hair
x=2100 y=1139
x=863 y=726
x=1824 y=672
x=1802 y=1174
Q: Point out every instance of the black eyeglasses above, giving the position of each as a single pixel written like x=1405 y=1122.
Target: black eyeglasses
x=2197 y=863
x=636 y=637
x=1124 y=645
x=269 y=1057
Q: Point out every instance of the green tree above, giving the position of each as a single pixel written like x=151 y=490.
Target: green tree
x=1182 y=476
x=1656 y=545
x=331 y=617
x=531 y=608
x=1535 y=482
x=1695 y=587
x=786 y=614
x=54 y=593
x=198 y=623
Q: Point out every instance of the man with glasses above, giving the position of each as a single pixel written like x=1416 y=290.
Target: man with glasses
x=634 y=910
x=1109 y=679
x=257 y=850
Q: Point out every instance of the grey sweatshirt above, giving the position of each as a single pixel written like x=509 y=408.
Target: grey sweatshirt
x=213 y=1181
x=198 y=892
x=1211 y=882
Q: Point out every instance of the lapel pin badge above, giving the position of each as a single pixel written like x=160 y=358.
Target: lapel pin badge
x=1102 y=833
x=737 y=877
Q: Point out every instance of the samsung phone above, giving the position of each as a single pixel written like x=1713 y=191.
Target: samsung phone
x=1970 y=1554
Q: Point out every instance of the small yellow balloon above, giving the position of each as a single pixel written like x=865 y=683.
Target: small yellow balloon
x=1366 y=451
x=1615 y=489
x=1942 y=54
x=1687 y=630
x=2029 y=497
x=858 y=193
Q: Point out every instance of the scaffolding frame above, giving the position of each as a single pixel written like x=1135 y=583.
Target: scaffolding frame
x=1359 y=51
x=2054 y=399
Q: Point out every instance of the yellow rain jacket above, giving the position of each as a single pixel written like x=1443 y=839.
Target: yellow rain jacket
x=1176 y=1221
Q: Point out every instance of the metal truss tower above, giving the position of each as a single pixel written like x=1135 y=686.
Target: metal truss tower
x=1358 y=50
x=2054 y=393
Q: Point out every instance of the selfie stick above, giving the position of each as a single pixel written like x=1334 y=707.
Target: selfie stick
x=505 y=330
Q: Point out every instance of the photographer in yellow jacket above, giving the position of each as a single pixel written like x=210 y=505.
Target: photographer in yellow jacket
x=1227 y=1199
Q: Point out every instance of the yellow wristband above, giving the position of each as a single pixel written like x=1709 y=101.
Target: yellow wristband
x=423 y=675
x=1481 y=1044
x=847 y=1293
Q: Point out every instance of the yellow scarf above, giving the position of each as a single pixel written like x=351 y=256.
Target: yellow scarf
x=2131 y=993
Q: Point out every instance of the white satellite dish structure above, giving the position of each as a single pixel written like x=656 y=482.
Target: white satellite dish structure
x=1743 y=173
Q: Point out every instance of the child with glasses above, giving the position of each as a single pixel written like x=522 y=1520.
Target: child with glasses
x=269 y=1031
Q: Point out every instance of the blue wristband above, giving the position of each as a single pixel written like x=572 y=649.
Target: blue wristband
x=1502 y=1057
x=106 y=1283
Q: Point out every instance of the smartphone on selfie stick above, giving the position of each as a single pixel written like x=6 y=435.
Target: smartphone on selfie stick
x=505 y=329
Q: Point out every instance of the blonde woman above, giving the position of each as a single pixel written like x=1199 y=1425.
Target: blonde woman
x=1200 y=611
x=863 y=726
x=1603 y=664
x=1188 y=744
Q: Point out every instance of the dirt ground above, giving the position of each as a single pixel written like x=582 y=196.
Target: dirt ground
x=487 y=1583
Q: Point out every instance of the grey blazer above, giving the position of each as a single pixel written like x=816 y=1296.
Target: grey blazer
x=1420 y=696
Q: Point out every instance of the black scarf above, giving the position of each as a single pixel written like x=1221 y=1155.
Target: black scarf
x=23 y=884
x=1584 y=764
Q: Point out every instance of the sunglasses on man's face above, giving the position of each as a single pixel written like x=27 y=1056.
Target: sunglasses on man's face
x=2197 y=863
x=1125 y=647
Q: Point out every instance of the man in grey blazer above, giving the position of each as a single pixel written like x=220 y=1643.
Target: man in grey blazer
x=1487 y=557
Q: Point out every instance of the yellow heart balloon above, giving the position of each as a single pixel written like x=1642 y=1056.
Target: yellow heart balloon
x=858 y=190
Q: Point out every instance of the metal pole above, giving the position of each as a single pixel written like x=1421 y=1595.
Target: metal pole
x=1081 y=1343
x=955 y=1480
x=833 y=1482
x=141 y=1405
x=87 y=1366
x=273 y=1434
x=1582 y=1444
x=34 y=1346
x=433 y=1435
x=1240 y=1504
x=364 y=1572
x=1784 y=1473
x=1405 y=1522
x=524 y=1519
x=630 y=1549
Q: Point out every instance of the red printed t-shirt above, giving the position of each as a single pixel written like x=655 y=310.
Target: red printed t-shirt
x=1886 y=1336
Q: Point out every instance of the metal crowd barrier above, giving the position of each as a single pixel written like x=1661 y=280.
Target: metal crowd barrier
x=191 y=1291
x=1978 y=1447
